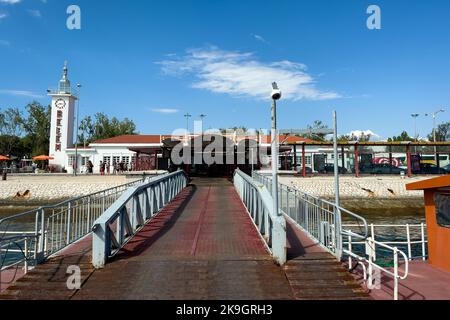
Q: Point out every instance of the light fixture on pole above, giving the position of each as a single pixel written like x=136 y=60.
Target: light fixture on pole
x=415 y=116
x=75 y=171
x=433 y=115
x=276 y=95
x=187 y=116
x=202 y=117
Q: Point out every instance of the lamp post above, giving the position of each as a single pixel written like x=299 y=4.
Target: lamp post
x=276 y=95
x=202 y=117
x=187 y=116
x=415 y=116
x=433 y=115
x=75 y=171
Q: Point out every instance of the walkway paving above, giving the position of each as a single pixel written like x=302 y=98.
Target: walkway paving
x=203 y=245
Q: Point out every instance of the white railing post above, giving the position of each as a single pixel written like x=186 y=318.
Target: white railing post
x=370 y=253
x=69 y=223
x=26 y=257
x=424 y=253
x=350 y=248
x=395 y=274
x=408 y=237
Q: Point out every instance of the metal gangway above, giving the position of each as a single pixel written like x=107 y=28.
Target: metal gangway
x=112 y=218
x=353 y=239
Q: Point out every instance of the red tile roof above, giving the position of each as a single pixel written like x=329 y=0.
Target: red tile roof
x=131 y=139
x=286 y=139
x=153 y=139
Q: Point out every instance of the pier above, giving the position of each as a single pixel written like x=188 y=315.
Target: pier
x=203 y=244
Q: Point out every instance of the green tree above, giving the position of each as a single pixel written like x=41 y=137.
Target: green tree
x=101 y=127
x=442 y=133
x=37 y=127
x=404 y=136
x=11 y=129
x=317 y=125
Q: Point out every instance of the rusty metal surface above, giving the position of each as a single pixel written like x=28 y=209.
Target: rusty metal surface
x=203 y=245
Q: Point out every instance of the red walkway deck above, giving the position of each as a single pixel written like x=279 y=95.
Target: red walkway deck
x=203 y=245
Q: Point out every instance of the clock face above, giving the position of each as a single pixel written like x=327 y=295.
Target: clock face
x=60 y=104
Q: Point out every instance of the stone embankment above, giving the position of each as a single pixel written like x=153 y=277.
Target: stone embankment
x=364 y=192
x=36 y=188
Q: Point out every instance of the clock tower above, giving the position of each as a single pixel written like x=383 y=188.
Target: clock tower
x=62 y=121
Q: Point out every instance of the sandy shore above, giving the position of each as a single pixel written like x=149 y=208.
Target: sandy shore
x=43 y=189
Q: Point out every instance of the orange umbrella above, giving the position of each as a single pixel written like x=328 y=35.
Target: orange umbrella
x=43 y=158
x=3 y=158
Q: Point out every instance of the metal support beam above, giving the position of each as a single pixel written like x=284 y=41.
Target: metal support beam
x=304 y=161
x=408 y=159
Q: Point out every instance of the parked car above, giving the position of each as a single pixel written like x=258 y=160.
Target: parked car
x=428 y=168
x=446 y=169
x=382 y=169
x=329 y=168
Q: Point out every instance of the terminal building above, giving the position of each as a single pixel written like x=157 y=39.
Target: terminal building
x=298 y=155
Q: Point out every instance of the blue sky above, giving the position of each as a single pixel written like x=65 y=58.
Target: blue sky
x=153 y=61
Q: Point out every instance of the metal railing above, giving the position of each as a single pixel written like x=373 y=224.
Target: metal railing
x=29 y=238
x=319 y=218
x=410 y=238
x=369 y=264
x=259 y=203
x=113 y=229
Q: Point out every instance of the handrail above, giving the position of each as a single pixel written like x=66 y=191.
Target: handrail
x=408 y=235
x=259 y=203
x=53 y=227
x=371 y=258
x=117 y=225
x=20 y=215
x=319 y=218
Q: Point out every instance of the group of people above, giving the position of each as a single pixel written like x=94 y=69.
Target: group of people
x=117 y=168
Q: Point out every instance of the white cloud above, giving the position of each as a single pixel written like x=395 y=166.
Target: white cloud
x=259 y=38
x=360 y=133
x=22 y=93
x=166 y=111
x=3 y=15
x=241 y=74
x=35 y=13
x=10 y=1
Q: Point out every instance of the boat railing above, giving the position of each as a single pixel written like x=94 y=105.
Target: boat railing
x=412 y=238
x=372 y=270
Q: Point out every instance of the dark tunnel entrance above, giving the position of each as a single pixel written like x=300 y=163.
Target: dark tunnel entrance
x=212 y=156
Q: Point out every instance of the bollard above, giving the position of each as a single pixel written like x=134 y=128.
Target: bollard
x=5 y=175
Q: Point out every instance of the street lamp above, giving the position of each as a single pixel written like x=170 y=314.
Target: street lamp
x=202 y=117
x=276 y=95
x=76 y=130
x=187 y=116
x=415 y=116
x=433 y=115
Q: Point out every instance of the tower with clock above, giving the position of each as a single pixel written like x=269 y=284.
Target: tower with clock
x=62 y=121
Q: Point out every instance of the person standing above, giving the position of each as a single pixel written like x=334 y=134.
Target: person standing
x=102 y=168
x=108 y=168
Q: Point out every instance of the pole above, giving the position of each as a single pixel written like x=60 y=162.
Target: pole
x=336 y=161
x=275 y=158
x=75 y=171
x=253 y=165
x=338 y=225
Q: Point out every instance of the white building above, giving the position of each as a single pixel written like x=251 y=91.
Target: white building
x=136 y=152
